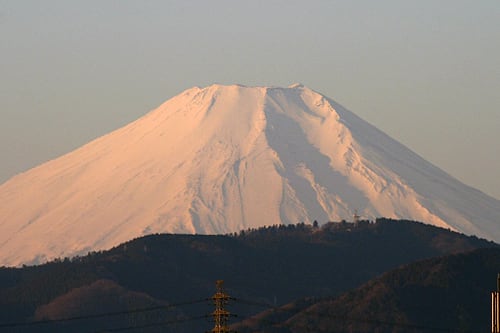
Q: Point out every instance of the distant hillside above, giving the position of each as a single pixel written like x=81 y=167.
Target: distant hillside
x=273 y=265
x=446 y=294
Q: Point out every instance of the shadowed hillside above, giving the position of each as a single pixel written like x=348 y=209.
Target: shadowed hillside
x=446 y=294
x=273 y=265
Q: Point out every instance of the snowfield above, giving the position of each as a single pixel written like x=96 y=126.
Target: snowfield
x=224 y=158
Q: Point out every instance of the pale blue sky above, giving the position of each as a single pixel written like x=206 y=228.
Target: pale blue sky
x=426 y=72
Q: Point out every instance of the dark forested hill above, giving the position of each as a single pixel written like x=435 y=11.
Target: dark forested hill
x=446 y=294
x=272 y=265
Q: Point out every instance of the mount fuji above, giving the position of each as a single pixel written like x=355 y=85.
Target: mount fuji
x=225 y=158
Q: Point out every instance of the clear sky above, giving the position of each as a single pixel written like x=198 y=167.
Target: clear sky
x=425 y=72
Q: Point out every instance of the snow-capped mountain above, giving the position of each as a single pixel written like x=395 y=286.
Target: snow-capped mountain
x=224 y=158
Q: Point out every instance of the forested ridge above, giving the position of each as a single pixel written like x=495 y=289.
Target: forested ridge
x=274 y=265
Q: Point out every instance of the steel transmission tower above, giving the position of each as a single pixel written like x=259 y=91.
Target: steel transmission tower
x=495 y=308
x=220 y=315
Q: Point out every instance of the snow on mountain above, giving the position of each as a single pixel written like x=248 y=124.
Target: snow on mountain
x=225 y=158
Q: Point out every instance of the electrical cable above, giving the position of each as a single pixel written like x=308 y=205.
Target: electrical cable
x=353 y=319
x=101 y=315
x=164 y=323
x=237 y=300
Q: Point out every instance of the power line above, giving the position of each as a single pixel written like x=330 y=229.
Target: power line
x=256 y=303
x=369 y=321
x=101 y=315
x=268 y=322
x=164 y=323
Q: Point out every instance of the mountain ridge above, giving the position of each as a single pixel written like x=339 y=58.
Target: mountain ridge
x=446 y=293
x=274 y=265
x=225 y=158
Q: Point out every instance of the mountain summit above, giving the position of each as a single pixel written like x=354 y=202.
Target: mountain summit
x=224 y=158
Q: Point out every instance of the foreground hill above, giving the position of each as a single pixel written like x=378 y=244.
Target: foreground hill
x=272 y=265
x=446 y=294
x=221 y=159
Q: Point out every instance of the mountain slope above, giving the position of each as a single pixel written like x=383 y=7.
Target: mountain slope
x=270 y=265
x=225 y=158
x=448 y=294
